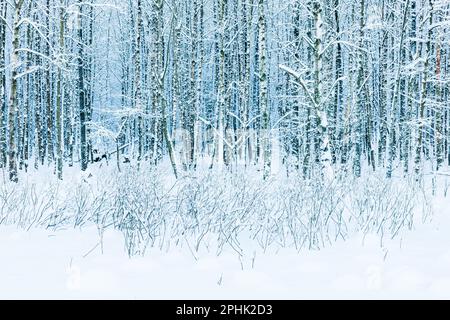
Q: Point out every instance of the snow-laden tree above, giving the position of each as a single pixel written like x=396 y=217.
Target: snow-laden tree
x=339 y=85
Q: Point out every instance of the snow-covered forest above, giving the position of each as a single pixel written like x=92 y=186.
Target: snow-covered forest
x=208 y=123
x=324 y=85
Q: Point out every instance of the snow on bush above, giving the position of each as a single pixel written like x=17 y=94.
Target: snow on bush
x=223 y=209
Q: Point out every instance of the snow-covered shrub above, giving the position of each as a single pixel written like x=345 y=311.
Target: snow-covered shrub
x=313 y=211
x=29 y=204
x=139 y=207
x=223 y=209
x=385 y=206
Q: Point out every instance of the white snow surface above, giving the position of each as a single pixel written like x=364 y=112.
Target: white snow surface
x=70 y=264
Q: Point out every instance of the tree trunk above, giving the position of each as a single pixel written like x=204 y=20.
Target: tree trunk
x=81 y=91
x=263 y=89
x=13 y=101
x=3 y=137
x=59 y=99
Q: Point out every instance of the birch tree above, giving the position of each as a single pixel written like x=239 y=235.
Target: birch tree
x=351 y=85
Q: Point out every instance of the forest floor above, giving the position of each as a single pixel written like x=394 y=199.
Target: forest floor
x=68 y=263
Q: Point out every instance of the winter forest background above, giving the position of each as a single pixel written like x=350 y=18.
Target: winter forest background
x=292 y=123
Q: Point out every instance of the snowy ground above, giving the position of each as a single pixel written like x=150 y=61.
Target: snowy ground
x=69 y=264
